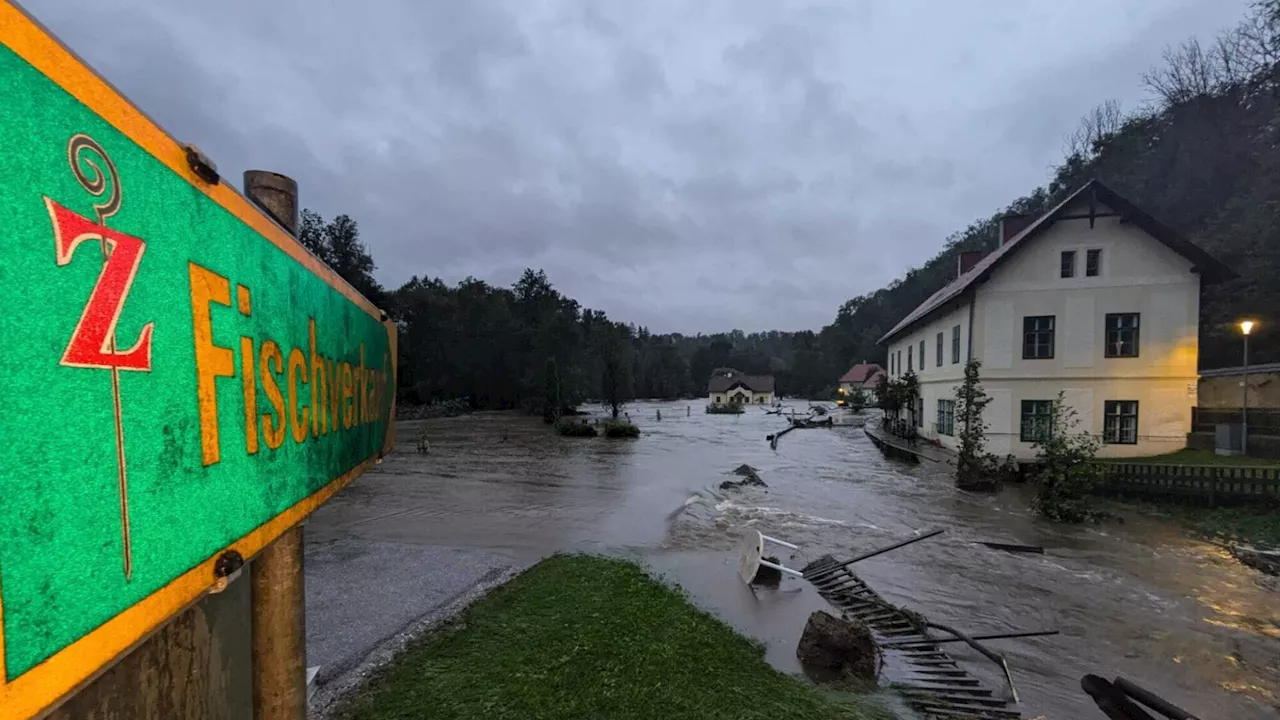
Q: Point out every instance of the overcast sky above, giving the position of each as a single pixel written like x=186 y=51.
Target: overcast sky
x=690 y=165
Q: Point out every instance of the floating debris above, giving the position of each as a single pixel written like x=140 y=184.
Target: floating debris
x=749 y=475
x=939 y=687
x=1010 y=547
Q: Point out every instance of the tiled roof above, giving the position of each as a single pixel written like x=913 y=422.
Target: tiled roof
x=754 y=383
x=859 y=373
x=1210 y=269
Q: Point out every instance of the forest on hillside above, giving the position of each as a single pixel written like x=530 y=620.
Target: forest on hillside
x=1203 y=156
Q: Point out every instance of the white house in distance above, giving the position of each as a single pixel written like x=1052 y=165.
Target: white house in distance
x=740 y=389
x=1094 y=298
x=862 y=378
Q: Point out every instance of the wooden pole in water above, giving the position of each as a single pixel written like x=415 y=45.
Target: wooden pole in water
x=278 y=590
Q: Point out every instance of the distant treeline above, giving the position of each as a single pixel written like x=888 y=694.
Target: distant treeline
x=1204 y=158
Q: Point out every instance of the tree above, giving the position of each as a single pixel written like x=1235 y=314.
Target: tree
x=311 y=235
x=857 y=400
x=551 y=403
x=1065 y=469
x=975 y=467
x=349 y=257
x=338 y=244
x=888 y=398
x=616 y=371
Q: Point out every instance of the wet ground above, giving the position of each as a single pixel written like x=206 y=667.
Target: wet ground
x=500 y=491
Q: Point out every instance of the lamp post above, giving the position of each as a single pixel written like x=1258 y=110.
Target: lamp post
x=1245 y=327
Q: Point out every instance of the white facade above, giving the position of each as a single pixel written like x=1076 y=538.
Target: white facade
x=1145 y=379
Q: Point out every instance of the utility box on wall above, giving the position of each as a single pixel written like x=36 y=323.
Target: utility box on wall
x=1228 y=439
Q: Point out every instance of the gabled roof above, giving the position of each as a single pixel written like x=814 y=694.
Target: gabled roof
x=1210 y=269
x=873 y=379
x=754 y=383
x=860 y=372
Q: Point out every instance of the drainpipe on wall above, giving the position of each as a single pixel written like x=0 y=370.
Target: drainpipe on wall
x=969 y=351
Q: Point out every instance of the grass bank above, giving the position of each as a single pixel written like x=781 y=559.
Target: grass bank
x=588 y=637
x=1250 y=525
x=1202 y=457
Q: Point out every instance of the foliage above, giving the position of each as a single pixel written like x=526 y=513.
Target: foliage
x=1065 y=469
x=895 y=395
x=887 y=399
x=577 y=636
x=574 y=427
x=620 y=429
x=551 y=403
x=975 y=467
x=338 y=243
x=724 y=409
x=857 y=400
x=1258 y=526
x=616 y=371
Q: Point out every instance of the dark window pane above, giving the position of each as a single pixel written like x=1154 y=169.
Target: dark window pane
x=1120 y=422
x=946 y=417
x=1092 y=262
x=1068 y=263
x=955 y=344
x=1037 y=420
x=1037 y=337
x=910 y=361
x=940 y=341
x=1122 y=334
x=922 y=355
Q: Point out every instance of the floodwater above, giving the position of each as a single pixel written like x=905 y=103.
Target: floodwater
x=1136 y=599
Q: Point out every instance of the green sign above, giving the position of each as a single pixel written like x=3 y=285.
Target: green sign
x=181 y=381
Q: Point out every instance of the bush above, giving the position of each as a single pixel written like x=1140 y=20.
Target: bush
x=1066 y=471
x=724 y=409
x=575 y=428
x=620 y=429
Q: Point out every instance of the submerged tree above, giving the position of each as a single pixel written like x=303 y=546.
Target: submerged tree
x=615 y=368
x=551 y=402
x=975 y=467
x=1065 y=471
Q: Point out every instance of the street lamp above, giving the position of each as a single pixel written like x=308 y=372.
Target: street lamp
x=1245 y=327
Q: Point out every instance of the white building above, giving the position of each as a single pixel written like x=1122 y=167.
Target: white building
x=1094 y=298
x=740 y=390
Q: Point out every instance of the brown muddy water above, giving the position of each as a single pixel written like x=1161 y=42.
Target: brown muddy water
x=1137 y=599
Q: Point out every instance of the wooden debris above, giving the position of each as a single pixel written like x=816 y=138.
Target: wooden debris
x=938 y=686
x=1009 y=547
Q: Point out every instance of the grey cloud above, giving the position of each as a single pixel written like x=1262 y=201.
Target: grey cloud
x=686 y=166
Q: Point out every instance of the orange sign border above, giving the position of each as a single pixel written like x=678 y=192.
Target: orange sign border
x=43 y=687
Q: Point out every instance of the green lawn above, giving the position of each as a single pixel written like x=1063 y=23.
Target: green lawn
x=1203 y=457
x=1257 y=526
x=582 y=637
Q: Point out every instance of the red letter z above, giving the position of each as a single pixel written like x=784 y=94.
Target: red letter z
x=92 y=343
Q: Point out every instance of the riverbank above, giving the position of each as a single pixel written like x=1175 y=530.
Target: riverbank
x=1249 y=525
x=587 y=636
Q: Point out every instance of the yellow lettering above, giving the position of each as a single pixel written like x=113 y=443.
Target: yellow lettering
x=348 y=407
x=250 y=395
x=212 y=361
x=271 y=363
x=362 y=384
x=319 y=418
x=297 y=425
x=334 y=369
